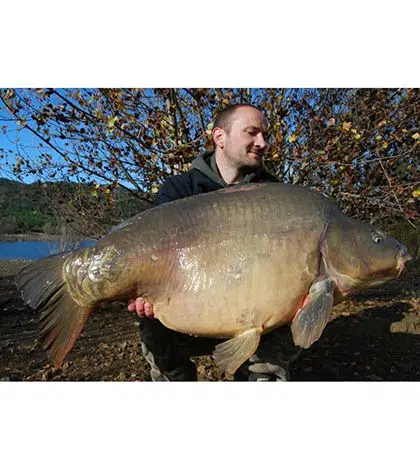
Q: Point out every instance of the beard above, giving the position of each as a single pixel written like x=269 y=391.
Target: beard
x=247 y=161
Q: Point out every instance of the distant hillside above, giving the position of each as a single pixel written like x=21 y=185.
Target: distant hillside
x=44 y=208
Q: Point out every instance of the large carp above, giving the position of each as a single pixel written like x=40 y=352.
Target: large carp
x=234 y=263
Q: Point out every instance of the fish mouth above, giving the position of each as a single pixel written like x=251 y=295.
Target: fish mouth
x=402 y=260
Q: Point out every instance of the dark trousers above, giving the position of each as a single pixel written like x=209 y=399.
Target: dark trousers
x=169 y=354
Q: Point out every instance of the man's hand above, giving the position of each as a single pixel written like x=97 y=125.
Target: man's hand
x=142 y=308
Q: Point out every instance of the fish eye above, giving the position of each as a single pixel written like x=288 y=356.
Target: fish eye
x=377 y=238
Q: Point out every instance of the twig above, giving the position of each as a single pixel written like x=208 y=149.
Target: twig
x=395 y=196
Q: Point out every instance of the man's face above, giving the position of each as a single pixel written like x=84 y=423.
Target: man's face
x=244 y=145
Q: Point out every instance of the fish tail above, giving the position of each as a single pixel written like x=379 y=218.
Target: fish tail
x=43 y=288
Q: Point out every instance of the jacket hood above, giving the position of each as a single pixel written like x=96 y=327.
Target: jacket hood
x=206 y=163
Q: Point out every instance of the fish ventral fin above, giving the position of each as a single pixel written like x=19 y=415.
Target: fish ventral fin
x=62 y=319
x=310 y=321
x=232 y=353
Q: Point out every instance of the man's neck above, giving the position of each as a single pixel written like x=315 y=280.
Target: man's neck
x=229 y=173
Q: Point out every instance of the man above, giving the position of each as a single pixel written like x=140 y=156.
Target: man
x=240 y=139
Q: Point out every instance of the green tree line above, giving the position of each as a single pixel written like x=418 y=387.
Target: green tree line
x=66 y=209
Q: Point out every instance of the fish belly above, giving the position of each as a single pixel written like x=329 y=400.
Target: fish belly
x=225 y=289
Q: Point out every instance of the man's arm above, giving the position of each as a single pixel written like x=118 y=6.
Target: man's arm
x=172 y=189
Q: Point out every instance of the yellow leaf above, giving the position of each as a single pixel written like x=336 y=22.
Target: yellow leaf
x=416 y=192
x=357 y=136
x=154 y=189
x=378 y=137
x=346 y=126
x=384 y=145
x=353 y=130
x=275 y=156
x=405 y=131
x=416 y=136
x=107 y=190
x=210 y=125
x=292 y=138
x=179 y=142
x=111 y=121
x=225 y=101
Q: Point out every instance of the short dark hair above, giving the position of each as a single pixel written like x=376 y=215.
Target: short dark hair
x=223 y=118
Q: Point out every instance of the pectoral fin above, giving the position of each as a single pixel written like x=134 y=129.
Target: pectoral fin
x=310 y=321
x=232 y=353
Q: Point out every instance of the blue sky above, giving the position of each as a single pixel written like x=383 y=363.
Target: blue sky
x=21 y=141
x=26 y=143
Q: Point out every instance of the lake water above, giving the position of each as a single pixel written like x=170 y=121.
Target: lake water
x=34 y=249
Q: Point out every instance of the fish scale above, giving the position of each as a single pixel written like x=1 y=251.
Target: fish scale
x=232 y=264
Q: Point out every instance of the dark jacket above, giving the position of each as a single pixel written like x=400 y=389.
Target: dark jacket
x=202 y=178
